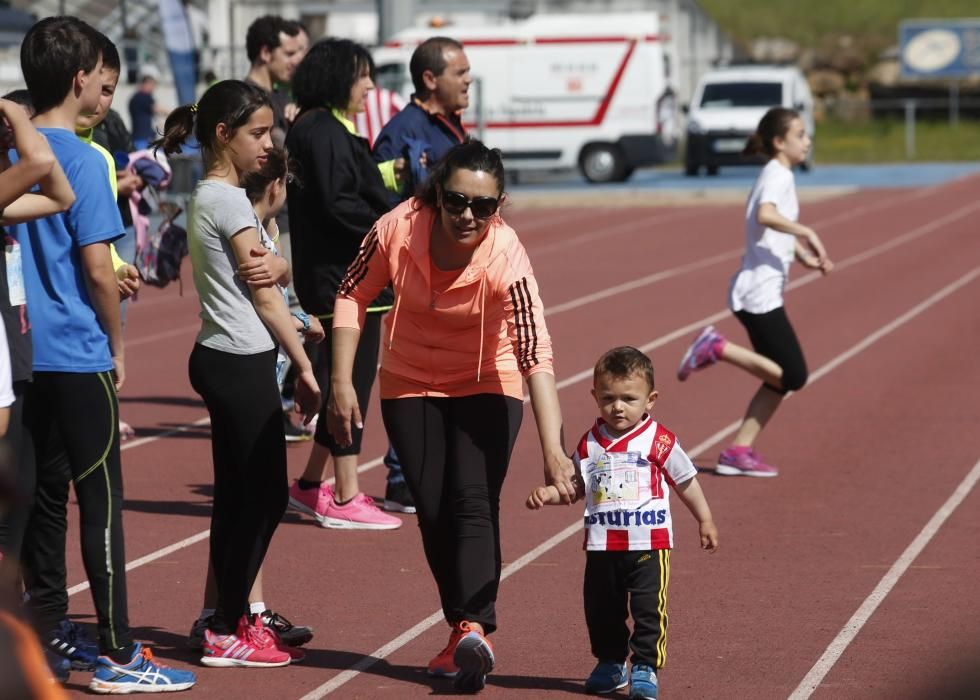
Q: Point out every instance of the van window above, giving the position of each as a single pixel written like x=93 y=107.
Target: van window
x=722 y=95
x=391 y=76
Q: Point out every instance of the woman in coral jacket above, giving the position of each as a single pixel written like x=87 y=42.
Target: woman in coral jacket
x=467 y=327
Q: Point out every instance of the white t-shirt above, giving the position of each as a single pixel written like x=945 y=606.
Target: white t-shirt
x=626 y=486
x=229 y=322
x=758 y=285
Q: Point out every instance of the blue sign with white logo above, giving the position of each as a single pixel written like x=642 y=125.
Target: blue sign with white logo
x=940 y=48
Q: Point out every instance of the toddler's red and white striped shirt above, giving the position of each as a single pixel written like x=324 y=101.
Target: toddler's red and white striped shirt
x=626 y=486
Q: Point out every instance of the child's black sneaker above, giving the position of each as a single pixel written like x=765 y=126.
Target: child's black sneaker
x=291 y=635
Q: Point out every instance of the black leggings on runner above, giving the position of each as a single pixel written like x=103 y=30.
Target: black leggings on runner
x=454 y=453
x=249 y=453
x=76 y=415
x=18 y=473
x=773 y=336
x=365 y=370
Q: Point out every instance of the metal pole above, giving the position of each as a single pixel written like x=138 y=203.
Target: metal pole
x=954 y=104
x=480 y=116
x=909 y=129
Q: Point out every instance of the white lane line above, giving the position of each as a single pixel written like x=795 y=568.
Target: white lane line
x=853 y=626
x=433 y=619
x=584 y=374
x=202 y=535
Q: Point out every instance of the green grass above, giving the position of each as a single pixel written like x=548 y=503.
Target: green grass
x=883 y=141
x=808 y=21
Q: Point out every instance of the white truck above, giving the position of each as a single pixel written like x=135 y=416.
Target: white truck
x=727 y=106
x=560 y=91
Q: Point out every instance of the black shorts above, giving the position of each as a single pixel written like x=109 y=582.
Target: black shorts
x=773 y=336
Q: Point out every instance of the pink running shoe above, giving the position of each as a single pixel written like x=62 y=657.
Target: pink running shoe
x=743 y=461
x=295 y=655
x=360 y=513
x=704 y=352
x=251 y=645
x=313 y=502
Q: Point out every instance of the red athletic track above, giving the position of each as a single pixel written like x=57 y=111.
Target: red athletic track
x=869 y=452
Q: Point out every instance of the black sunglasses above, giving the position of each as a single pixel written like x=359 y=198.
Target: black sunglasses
x=456 y=203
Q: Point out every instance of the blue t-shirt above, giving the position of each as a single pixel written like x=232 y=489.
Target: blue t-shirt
x=66 y=331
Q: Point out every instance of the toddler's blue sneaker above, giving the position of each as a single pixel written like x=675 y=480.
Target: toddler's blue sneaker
x=70 y=641
x=141 y=675
x=607 y=677
x=643 y=683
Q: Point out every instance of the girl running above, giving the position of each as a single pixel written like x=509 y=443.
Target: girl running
x=233 y=363
x=773 y=238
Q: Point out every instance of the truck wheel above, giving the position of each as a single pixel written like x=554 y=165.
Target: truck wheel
x=712 y=170
x=691 y=170
x=602 y=162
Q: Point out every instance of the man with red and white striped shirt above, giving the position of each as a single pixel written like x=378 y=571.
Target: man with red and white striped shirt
x=625 y=467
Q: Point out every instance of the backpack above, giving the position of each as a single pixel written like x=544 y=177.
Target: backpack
x=159 y=255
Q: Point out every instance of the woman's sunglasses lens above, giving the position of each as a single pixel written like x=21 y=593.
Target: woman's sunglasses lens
x=483 y=207
x=454 y=203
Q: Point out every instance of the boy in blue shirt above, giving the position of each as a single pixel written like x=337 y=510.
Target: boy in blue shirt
x=73 y=299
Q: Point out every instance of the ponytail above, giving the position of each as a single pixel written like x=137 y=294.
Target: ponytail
x=178 y=127
x=228 y=102
x=775 y=124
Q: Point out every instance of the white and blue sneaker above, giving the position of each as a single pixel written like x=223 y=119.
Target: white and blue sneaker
x=643 y=683
x=607 y=677
x=141 y=675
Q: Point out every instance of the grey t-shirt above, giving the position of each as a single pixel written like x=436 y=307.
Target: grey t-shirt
x=229 y=322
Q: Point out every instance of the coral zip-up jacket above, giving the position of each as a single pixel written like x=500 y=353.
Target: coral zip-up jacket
x=480 y=335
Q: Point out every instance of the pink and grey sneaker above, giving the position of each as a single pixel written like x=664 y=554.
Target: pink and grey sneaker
x=704 y=352
x=739 y=460
x=359 y=513
x=313 y=502
x=251 y=645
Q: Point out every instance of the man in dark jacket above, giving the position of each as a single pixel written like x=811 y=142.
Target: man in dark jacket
x=430 y=124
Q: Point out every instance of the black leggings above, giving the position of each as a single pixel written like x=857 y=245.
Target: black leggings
x=773 y=336
x=365 y=370
x=73 y=420
x=454 y=453
x=249 y=453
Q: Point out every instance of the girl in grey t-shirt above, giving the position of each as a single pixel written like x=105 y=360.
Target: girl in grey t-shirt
x=233 y=363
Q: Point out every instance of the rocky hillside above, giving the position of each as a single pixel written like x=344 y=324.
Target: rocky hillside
x=848 y=49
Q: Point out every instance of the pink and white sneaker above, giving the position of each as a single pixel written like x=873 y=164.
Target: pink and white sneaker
x=738 y=460
x=703 y=352
x=250 y=646
x=313 y=502
x=360 y=513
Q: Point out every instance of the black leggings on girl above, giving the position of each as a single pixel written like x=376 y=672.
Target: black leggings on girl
x=249 y=453
x=773 y=336
x=454 y=453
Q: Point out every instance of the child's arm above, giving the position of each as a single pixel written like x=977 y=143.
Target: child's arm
x=103 y=290
x=549 y=496
x=36 y=165
x=692 y=496
x=810 y=260
x=769 y=216
x=263 y=269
